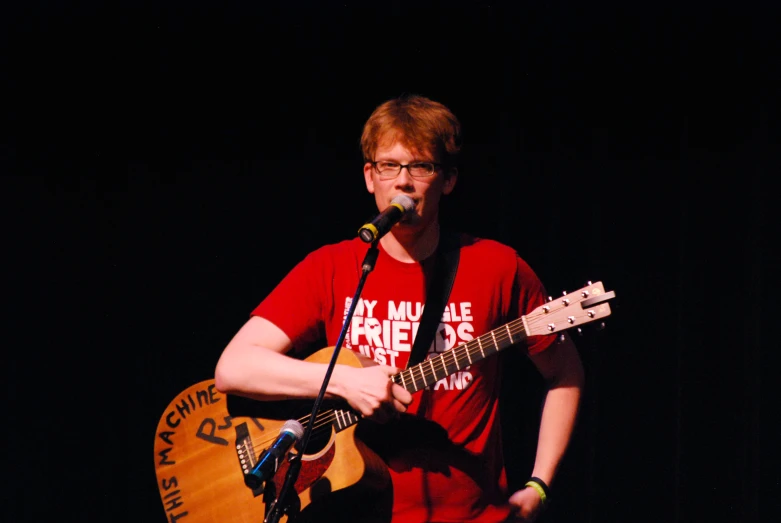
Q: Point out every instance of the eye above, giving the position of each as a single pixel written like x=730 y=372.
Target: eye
x=382 y=166
x=422 y=167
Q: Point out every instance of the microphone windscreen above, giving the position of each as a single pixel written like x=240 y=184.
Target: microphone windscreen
x=294 y=427
x=405 y=201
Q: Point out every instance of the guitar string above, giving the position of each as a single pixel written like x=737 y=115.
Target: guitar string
x=474 y=346
x=468 y=349
x=325 y=419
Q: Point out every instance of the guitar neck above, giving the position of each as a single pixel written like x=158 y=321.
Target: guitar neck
x=427 y=373
x=424 y=374
x=571 y=310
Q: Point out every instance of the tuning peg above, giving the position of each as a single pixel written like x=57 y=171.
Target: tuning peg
x=585 y=294
x=580 y=331
x=601 y=326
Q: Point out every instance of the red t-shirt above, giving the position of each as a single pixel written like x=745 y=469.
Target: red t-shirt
x=454 y=469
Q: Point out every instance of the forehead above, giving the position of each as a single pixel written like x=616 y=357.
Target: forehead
x=394 y=149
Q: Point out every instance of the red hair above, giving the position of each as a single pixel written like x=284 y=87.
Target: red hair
x=416 y=122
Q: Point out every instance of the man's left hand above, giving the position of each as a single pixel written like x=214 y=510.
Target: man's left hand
x=526 y=505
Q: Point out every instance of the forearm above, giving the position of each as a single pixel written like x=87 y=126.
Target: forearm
x=557 y=424
x=263 y=374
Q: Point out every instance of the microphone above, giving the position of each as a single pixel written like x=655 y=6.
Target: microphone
x=379 y=226
x=269 y=460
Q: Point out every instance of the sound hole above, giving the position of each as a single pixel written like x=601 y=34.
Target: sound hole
x=323 y=429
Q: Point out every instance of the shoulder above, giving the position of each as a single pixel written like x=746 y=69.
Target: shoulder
x=488 y=250
x=337 y=253
x=494 y=256
x=486 y=246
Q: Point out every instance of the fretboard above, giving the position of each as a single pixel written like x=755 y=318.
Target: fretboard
x=432 y=370
x=427 y=373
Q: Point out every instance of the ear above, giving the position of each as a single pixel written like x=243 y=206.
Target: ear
x=367 y=176
x=450 y=180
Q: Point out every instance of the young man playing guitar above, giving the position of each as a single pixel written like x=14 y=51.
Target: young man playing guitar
x=443 y=446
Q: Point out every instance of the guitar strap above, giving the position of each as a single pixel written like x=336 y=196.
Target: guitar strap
x=437 y=293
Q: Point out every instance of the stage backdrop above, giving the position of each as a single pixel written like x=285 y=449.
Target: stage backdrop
x=165 y=166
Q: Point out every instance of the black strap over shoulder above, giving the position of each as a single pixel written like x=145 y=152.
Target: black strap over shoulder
x=437 y=294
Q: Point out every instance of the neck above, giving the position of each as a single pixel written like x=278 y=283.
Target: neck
x=409 y=245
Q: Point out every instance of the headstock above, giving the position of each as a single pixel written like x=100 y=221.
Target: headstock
x=570 y=310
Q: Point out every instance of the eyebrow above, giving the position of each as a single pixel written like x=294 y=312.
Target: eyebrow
x=399 y=162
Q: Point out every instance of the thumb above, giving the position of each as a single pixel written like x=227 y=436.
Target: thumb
x=388 y=370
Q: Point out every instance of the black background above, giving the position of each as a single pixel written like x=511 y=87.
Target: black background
x=165 y=164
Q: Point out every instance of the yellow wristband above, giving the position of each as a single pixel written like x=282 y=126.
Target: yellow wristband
x=536 y=486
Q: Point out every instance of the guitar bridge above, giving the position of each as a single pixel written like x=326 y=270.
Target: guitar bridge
x=245 y=452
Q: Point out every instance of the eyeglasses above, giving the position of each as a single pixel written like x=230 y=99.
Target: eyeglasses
x=388 y=170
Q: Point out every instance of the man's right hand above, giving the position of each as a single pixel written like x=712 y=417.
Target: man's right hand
x=370 y=391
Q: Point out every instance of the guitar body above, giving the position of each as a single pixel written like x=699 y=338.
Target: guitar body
x=199 y=474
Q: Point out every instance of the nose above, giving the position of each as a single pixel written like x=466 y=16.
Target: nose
x=404 y=177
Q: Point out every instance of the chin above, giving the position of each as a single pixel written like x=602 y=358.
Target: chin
x=410 y=220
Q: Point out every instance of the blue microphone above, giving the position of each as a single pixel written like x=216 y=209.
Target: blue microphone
x=270 y=459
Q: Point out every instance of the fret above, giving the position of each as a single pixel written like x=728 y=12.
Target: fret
x=473 y=351
x=414 y=381
x=344 y=419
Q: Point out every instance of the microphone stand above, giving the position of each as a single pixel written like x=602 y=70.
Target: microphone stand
x=282 y=504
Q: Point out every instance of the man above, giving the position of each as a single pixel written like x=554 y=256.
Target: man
x=446 y=463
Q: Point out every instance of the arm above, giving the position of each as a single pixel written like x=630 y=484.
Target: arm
x=254 y=364
x=562 y=370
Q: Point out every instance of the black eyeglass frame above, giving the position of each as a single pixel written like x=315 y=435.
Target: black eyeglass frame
x=408 y=165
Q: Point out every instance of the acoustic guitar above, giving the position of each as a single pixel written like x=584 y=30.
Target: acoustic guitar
x=207 y=442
